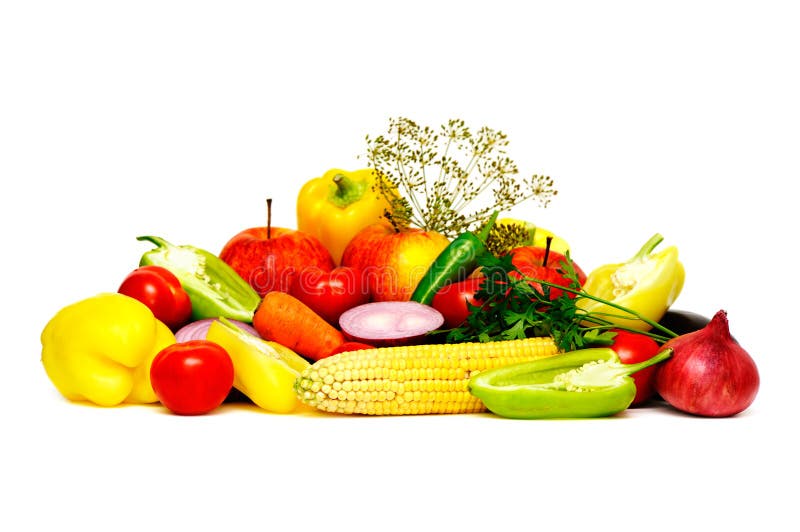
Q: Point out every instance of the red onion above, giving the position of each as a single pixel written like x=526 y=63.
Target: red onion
x=390 y=322
x=197 y=330
x=709 y=373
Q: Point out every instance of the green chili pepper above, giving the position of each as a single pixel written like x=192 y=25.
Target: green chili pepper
x=454 y=263
x=214 y=288
x=579 y=384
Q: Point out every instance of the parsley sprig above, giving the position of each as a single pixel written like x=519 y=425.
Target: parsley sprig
x=516 y=306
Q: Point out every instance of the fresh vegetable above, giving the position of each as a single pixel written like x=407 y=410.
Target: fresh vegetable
x=336 y=206
x=263 y=371
x=543 y=264
x=100 y=349
x=214 y=288
x=466 y=167
x=454 y=263
x=161 y=291
x=579 y=384
x=509 y=233
x=417 y=379
x=648 y=284
x=330 y=293
x=455 y=300
x=285 y=319
x=269 y=258
x=388 y=323
x=632 y=348
x=197 y=330
x=683 y=321
x=513 y=306
x=710 y=374
x=192 y=378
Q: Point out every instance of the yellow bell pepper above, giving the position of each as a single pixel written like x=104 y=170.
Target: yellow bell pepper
x=338 y=205
x=648 y=284
x=100 y=349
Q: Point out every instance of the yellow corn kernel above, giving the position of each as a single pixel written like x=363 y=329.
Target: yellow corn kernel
x=417 y=379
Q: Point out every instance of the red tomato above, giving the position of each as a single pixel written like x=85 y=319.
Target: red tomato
x=453 y=299
x=331 y=293
x=530 y=260
x=161 y=291
x=193 y=377
x=632 y=348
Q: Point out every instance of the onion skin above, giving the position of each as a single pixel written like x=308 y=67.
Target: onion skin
x=709 y=373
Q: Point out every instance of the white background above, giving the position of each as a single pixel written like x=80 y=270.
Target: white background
x=179 y=118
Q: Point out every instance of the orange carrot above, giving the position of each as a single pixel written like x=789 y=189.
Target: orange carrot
x=285 y=319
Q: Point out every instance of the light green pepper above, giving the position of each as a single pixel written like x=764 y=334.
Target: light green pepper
x=214 y=288
x=579 y=384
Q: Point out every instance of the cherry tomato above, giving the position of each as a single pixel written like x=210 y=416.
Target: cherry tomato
x=193 y=377
x=331 y=293
x=161 y=291
x=632 y=348
x=452 y=300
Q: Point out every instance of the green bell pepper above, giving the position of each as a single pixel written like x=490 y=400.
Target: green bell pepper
x=214 y=288
x=579 y=384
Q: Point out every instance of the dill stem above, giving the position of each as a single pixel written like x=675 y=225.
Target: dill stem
x=416 y=211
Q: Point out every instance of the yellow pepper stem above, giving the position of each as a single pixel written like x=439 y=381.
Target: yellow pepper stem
x=346 y=191
x=648 y=247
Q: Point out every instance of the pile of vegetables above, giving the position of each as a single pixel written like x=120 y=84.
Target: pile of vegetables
x=493 y=314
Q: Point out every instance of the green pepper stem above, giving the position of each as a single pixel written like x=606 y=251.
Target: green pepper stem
x=630 y=369
x=157 y=240
x=648 y=247
x=484 y=232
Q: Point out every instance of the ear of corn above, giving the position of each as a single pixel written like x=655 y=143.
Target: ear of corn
x=418 y=379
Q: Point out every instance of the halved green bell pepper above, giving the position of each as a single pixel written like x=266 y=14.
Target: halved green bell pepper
x=214 y=288
x=580 y=384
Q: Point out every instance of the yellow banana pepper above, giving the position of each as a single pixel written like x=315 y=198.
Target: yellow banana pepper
x=263 y=371
x=100 y=349
x=648 y=284
x=338 y=205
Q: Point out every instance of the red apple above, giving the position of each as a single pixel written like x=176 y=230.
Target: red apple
x=393 y=262
x=539 y=263
x=330 y=293
x=269 y=257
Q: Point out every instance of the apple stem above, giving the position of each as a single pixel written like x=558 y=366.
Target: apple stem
x=269 y=218
x=548 y=240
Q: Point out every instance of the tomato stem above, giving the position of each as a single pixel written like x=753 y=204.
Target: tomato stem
x=549 y=241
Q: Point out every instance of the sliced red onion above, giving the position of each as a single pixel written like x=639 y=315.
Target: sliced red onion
x=197 y=330
x=390 y=322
